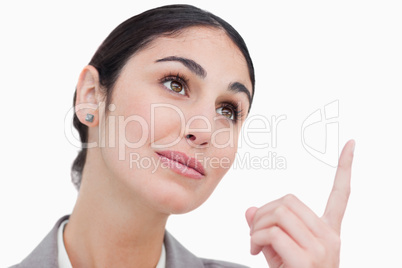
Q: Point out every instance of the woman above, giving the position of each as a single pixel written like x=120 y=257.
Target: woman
x=159 y=109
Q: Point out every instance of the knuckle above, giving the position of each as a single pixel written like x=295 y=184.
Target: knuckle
x=289 y=198
x=345 y=165
x=308 y=261
x=315 y=261
x=274 y=234
x=253 y=239
x=320 y=252
x=257 y=215
x=332 y=238
x=343 y=194
x=280 y=211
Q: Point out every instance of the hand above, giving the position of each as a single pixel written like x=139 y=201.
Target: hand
x=291 y=235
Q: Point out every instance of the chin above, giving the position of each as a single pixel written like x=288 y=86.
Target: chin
x=178 y=200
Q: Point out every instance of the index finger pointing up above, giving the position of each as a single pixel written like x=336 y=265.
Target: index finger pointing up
x=339 y=196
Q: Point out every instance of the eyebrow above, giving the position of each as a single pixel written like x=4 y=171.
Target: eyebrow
x=197 y=69
x=239 y=87
x=190 y=64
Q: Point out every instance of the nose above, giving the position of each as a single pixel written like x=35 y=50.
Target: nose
x=199 y=130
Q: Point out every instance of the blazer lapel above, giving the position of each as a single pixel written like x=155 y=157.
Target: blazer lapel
x=45 y=254
x=179 y=256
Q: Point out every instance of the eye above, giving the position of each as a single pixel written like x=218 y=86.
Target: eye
x=227 y=111
x=231 y=111
x=175 y=86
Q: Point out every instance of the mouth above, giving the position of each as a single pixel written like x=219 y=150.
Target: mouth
x=182 y=164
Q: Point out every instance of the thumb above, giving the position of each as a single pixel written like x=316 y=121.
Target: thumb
x=250 y=213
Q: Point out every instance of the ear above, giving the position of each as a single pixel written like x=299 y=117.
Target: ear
x=88 y=97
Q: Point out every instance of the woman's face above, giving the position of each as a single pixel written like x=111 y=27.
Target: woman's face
x=176 y=97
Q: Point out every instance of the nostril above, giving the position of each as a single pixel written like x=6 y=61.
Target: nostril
x=190 y=137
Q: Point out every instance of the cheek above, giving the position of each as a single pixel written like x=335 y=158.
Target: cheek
x=132 y=118
x=217 y=165
x=167 y=124
x=126 y=130
x=221 y=161
x=222 y=156
x=136 y=126
x=129 y=127
x=224 y=150
x=225 y=136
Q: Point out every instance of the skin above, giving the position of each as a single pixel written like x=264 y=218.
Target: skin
x=121 y=210
x=291 y=235
x=129 y=206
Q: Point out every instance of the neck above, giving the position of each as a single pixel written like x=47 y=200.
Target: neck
x=109 y=229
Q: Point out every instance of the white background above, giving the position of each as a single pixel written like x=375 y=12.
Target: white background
x=306 y=54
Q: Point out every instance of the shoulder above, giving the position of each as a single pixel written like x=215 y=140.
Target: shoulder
x=178 y=256
x=209 y=263
x=45 y=254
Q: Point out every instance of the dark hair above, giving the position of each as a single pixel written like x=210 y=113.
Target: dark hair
x=135 y=34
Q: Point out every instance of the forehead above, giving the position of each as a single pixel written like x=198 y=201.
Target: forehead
x=210 y=47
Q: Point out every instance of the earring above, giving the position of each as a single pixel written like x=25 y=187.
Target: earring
x=89 y=118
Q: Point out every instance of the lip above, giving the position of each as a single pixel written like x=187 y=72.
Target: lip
x=188 y=166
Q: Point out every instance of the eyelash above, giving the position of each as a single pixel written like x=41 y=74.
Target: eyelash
x=177 y=78
x=237 y=114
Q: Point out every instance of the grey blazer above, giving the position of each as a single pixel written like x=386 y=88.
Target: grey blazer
x=45 y=254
